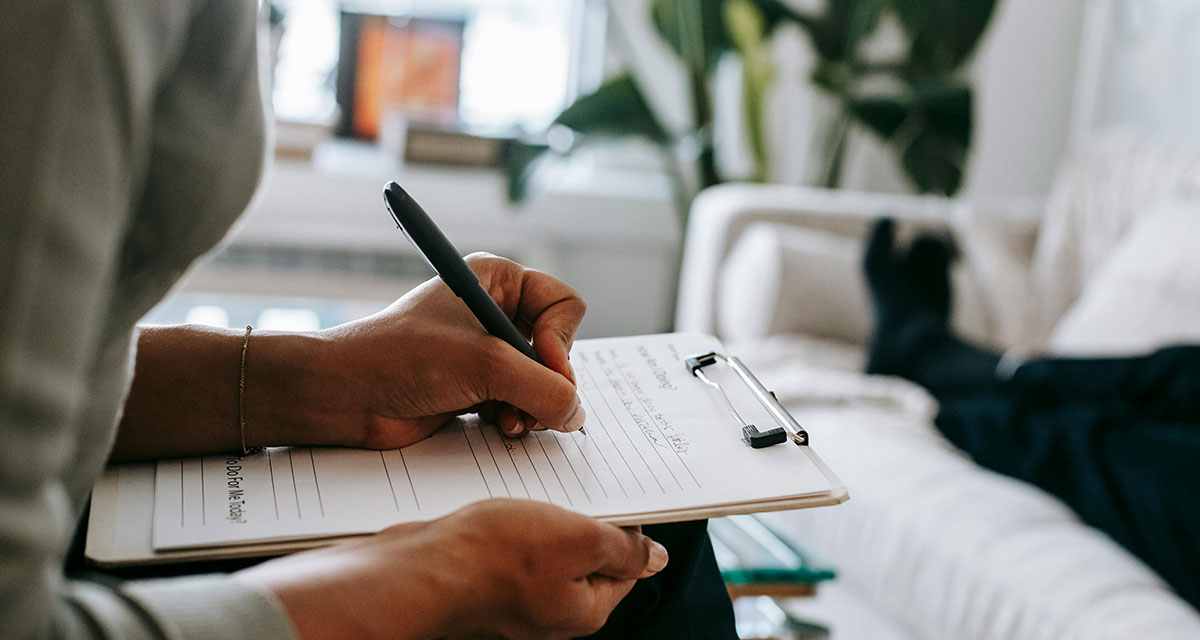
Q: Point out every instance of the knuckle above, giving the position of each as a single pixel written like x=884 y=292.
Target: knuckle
x=567 y=336
x=486 y=265
x=641 y=549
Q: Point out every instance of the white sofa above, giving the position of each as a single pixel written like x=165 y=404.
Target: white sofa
x=930 y=545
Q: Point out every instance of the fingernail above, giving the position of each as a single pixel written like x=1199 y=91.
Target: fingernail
x=658 y=557
x=575 y=422
x=518 y=428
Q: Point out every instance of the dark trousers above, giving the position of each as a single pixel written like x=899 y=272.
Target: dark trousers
x=687 y=599
x=1117 y=439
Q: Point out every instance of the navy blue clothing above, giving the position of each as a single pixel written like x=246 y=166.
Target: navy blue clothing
x=1117 y=439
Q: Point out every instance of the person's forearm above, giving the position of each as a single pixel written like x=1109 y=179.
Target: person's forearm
x=323 y=593
x=185 y=393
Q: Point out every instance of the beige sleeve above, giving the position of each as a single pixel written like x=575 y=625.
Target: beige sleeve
x=79 y=86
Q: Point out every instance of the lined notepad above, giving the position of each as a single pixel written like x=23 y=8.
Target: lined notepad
x=659 y=446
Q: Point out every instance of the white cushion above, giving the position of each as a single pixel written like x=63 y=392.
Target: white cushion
x=1146 y=294
x=1096 y=200
x=785 y=279
x=781 y=278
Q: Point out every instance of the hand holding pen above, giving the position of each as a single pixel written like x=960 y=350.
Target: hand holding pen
x=446 y=261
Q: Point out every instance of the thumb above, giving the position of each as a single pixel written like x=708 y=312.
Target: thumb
x=535 y=389
x=630 y=555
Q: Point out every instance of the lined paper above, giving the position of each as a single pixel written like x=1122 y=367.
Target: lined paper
x=658 y=440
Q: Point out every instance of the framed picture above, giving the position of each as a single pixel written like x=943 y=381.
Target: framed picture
x=388 y=63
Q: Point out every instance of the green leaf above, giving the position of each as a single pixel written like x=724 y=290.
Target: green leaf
x=694 y=29
x=937 y=157
x=881 y=114
x=948 y=107
x=844 y=26
x=942 y=33
x=747 y=29
x=931 y=168
x=617 y=109
x=931 y=128
x=521 y=161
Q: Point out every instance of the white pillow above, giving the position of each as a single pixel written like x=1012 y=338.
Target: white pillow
x=782 y=278
x=1146 y=294
x=1097 y=200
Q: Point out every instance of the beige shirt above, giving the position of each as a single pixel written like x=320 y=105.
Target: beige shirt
x=131 y=137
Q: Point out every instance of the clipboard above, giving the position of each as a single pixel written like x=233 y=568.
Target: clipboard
x=720 y=388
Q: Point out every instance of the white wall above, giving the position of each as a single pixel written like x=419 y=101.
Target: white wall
x=1024 y=75
x=1142 y=70
x=635 y=45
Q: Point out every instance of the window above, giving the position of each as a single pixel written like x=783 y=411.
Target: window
x=522 y=61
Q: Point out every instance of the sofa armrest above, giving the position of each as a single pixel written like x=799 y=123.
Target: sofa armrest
x=721 y=214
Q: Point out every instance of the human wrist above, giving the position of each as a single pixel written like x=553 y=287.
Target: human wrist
x=367 y=589
x=289 y=399
x=317 y=612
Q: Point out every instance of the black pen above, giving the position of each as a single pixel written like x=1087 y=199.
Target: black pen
x=447 y=262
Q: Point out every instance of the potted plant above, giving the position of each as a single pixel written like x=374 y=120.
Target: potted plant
x=918 y=102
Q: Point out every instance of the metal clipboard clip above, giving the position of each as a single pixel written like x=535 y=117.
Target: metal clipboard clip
x=753 y=436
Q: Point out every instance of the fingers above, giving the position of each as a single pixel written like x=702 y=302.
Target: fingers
x=603 y=595
x=560 y=573
x=512 y=421
x=628 y=555
x=545 y=308
x=543 y=394
x=556 y=311
x=548 y=311
x=620 y=557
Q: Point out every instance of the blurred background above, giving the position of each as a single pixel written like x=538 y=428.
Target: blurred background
x=434 y=94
